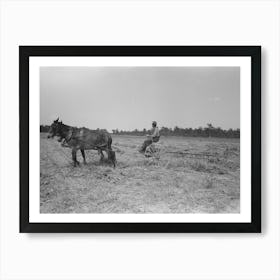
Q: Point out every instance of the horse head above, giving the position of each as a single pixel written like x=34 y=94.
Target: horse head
x=54 y=128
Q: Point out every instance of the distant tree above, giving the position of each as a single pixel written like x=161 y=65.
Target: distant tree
x=115 y=131
x=44 y=128
x=209 y=129
x=164 y=131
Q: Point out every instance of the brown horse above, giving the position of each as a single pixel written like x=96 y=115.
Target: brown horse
x=83 y=139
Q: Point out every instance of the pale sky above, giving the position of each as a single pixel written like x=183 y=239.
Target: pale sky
x=132 y=97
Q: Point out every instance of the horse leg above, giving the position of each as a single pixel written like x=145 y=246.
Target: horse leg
x=101 y=154
x=111 y=156
x=84 y=156
x=74 y=157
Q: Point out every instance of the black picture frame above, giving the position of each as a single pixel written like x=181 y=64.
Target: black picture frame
x=25 y=52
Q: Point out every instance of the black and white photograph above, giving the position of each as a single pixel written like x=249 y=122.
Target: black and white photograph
x=140 y=139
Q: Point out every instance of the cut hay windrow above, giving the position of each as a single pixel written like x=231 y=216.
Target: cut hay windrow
x=193 y=155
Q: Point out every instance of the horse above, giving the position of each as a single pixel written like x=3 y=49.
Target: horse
x=83 y=139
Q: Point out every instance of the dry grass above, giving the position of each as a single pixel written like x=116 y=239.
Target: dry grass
x=175 y=183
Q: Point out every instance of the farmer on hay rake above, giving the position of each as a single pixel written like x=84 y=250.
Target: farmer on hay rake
x=151 y=138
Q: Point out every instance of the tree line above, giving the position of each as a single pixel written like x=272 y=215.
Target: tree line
x=44 y=128
x=208 y=131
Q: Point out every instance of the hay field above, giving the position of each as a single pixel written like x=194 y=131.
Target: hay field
x=176 y=183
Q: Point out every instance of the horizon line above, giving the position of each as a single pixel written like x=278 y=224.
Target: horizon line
x=141 y=129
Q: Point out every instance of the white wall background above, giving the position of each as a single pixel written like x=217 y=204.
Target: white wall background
x=148 y=256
